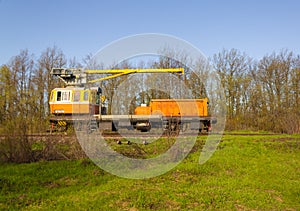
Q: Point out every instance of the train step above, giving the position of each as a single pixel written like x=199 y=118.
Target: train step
x=93 y=124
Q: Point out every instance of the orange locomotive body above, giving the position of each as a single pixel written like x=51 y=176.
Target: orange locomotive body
x=175 y=108
x=176 y=113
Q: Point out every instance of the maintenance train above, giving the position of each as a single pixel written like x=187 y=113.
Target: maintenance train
x=78 y=104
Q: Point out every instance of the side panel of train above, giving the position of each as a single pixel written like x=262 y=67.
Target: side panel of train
x=175 y=108
x=68 y=101
x=178 y=113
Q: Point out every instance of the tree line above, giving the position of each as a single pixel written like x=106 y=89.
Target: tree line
x=260 y=94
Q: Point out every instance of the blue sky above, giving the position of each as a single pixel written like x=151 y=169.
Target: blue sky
x=81 y=27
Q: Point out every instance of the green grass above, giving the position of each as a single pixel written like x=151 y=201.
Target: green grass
x=259 y=132
x=245 y=173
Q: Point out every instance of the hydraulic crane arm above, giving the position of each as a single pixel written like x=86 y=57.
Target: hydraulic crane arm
x=78 y=77
x=118 y=73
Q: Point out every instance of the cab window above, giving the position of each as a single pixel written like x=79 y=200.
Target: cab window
x=86 y=96
x=76 y=96
x=63 y=96
x=58 y=96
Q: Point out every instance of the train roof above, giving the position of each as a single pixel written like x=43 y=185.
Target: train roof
x=76 y=88
x=177 y=100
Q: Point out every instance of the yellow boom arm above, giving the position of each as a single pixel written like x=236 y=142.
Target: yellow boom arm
x=78 y=77
x=117 y=73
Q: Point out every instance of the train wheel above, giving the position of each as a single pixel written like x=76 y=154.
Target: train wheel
x=174 y=133
x=174 y=130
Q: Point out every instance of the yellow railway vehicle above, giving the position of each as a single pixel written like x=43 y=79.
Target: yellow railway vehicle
x=74 y=100
x=74 y=103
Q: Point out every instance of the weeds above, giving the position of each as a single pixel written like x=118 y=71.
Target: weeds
x=245 y=173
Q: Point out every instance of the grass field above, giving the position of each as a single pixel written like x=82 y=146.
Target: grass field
x=245 y=173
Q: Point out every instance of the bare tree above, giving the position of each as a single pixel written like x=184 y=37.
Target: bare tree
x=233 y=68
x=50 y=58
x=73 y=63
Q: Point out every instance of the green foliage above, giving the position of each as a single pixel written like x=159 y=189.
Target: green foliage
x=245 y=173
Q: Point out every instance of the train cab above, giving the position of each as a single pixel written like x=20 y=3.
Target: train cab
x=75 y=100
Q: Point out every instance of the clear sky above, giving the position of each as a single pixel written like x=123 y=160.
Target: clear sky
x=257 y=27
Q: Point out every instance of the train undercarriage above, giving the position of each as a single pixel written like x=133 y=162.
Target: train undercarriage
x=141 y=123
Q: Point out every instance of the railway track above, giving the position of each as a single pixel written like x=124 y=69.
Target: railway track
x=116 y=135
